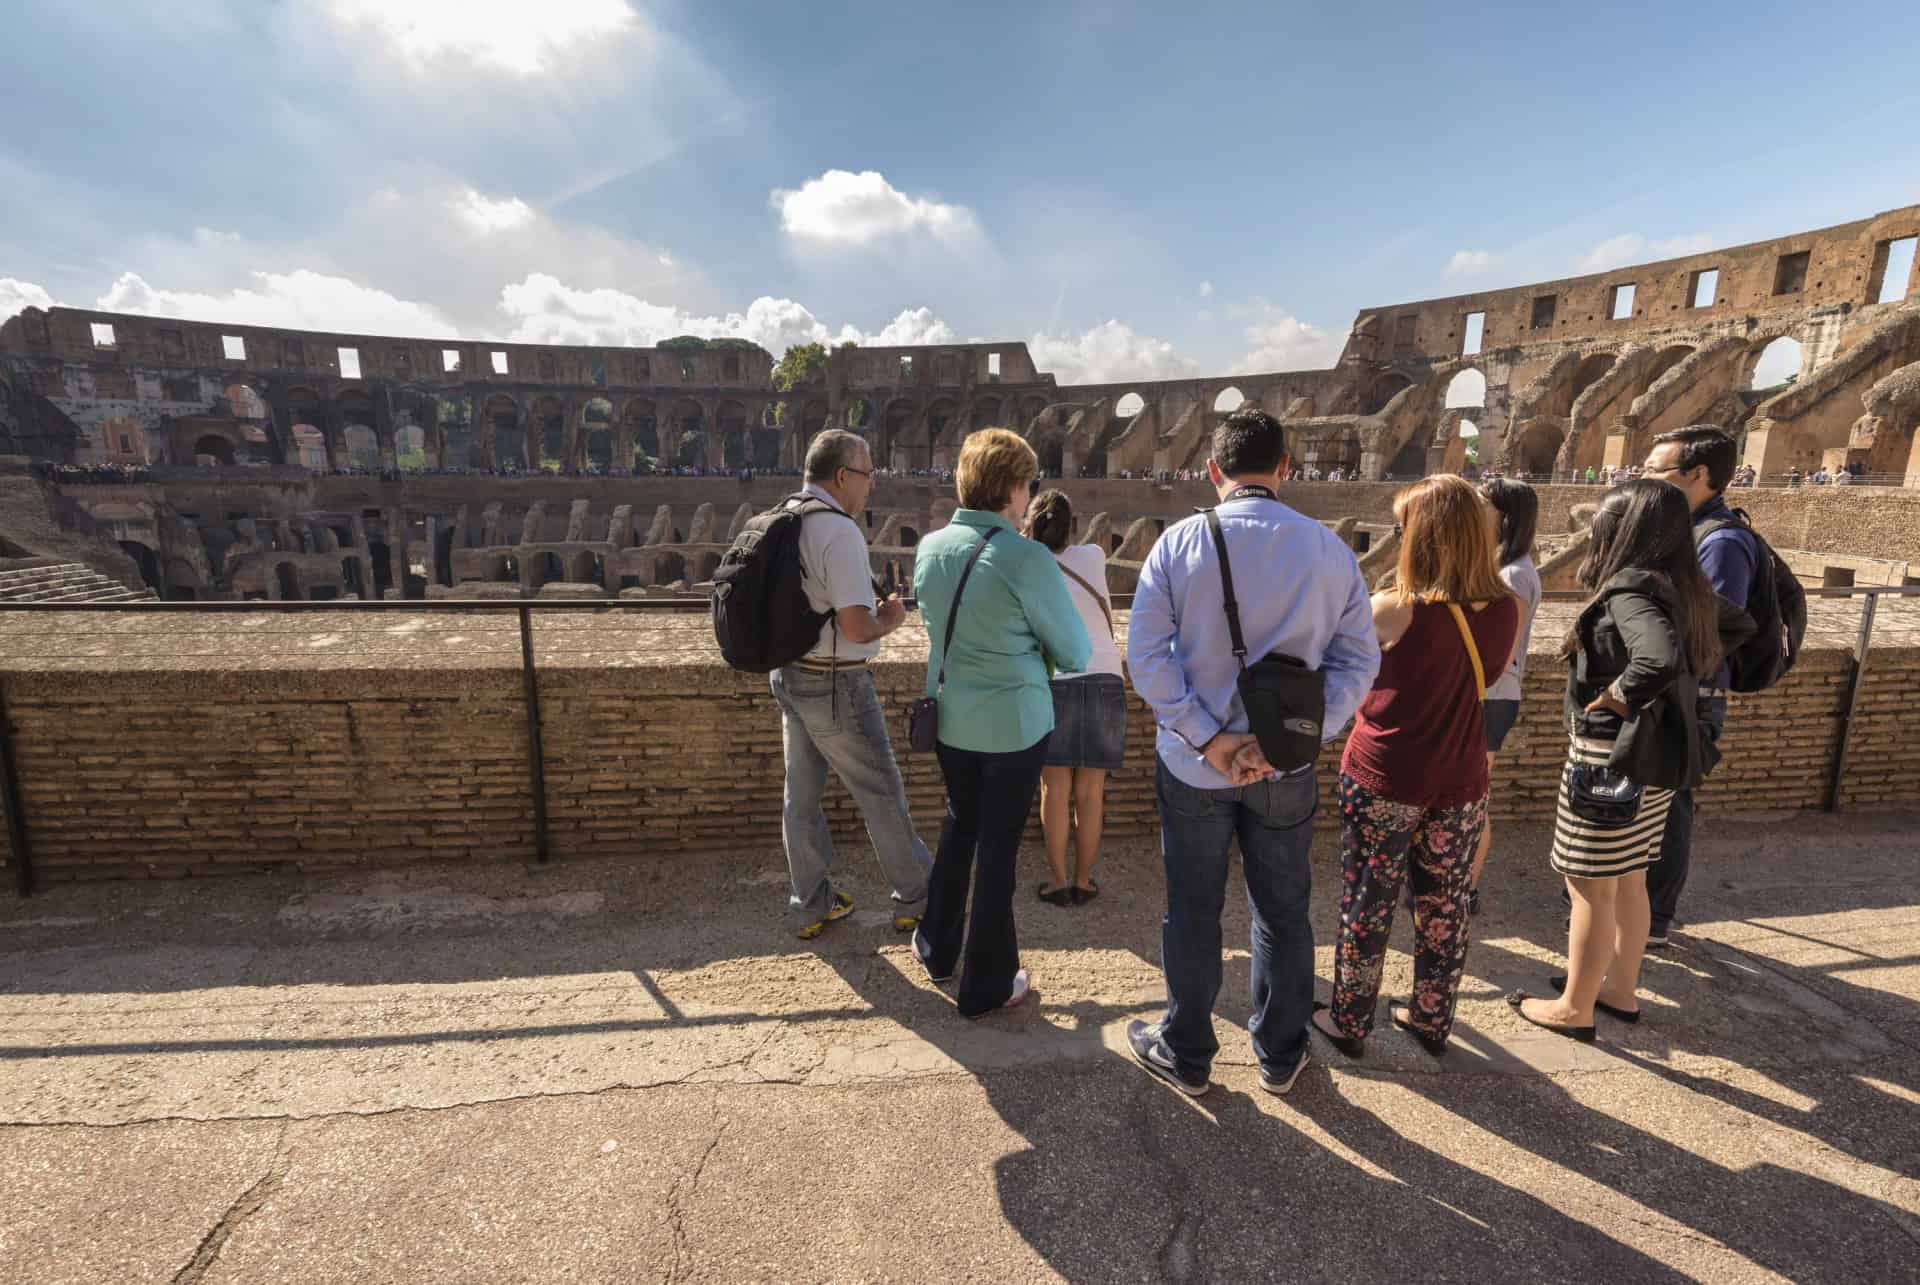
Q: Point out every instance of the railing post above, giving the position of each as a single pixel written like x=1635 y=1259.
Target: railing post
x=536 y=760
x=18 y=847
x=1860 y=649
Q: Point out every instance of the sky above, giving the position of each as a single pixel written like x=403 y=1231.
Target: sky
x=1135 y=190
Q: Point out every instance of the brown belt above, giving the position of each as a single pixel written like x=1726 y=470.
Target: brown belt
x=827 y=666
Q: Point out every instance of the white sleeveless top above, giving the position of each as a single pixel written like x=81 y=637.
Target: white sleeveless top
x=1090 y=564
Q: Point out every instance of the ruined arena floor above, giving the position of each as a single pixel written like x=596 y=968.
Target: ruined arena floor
x=610 y=1072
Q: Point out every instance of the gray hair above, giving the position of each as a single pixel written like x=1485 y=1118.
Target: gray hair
x=830 y=451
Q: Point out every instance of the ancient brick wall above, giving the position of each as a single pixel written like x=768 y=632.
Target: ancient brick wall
x=130 y=772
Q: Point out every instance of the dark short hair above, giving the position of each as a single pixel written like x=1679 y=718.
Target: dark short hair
x=1249 y=441
x=1050 y=520
x=1519 y=508
x=1707 y=444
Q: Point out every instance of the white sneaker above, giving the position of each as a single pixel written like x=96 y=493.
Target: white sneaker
x=1282 y=1086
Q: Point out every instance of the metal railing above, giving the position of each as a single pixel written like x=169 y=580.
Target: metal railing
x=19 y=839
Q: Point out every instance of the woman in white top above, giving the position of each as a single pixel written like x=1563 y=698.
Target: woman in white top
x=1515 y=510
x=1089 y=712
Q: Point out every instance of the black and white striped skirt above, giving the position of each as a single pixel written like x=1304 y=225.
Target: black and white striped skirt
x=1586 y=851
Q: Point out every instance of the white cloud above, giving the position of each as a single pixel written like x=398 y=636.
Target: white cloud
x=484 y=215
x=1278 y=340
x=1631 y=247
x=505 y=35
x=1109 y=353
x=1206 y=289
x=1469 y=263
x=912 y=326
x=16 y=296
x=843 y=209
x=301 y=300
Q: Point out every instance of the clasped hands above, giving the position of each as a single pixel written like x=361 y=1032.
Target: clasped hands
x=1238 y=757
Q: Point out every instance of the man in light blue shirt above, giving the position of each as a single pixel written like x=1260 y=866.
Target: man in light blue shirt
x=1300 y=594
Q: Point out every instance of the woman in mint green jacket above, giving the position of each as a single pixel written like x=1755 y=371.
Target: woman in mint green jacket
x=1014 y=621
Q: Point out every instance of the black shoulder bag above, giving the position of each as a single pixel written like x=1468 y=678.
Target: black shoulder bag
x=1286 y=702
x=923 y=716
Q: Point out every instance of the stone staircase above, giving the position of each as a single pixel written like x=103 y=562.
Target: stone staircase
x=65 y=582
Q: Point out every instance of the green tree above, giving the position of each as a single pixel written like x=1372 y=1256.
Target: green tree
x=803 y=365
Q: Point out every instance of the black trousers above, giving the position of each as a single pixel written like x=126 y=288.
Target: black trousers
x=988 y=799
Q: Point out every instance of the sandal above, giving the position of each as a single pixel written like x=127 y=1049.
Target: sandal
x=1081 y=896
x=1629 y=1015
x=1585 y=1034
x=1061 y=896
x=1402 y=1017
x=1355 y=1048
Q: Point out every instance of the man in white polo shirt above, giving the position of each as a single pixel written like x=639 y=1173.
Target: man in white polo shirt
x=830 y=712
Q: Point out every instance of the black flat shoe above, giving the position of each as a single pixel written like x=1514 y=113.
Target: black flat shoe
x=1629 y=1015
x=1585 y=1034
x=1433 y=1044
x=1347 y=1044
x=1081 y=896
x=1061 y=896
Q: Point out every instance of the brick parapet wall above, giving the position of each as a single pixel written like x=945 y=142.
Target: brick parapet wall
x=186 y=771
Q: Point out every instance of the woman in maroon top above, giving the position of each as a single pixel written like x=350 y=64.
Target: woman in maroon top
x=1413 y=781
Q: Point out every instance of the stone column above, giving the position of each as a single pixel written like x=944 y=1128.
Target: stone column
x=383 y=429
x=334 y=433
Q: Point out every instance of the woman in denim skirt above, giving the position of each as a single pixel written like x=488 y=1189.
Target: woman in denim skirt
x=1089 y=713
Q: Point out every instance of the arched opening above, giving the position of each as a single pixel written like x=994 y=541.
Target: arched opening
x=1538 y=448
x=1777 y=366
x=1667 y=359
x=547 y=569
x=363 y=448
x=1383 y=390
x=1228 y=401
x=410 y=448
x=288 y=582
x=643 y=425
x=894 y=449
x=147 y=560
x=859 y=412
x=733 y=450
x=212 y=450
x=1129 y=406
x=730 y=425
x=986 y=414
x=600 y=449
x=509 y=440
x=693 y=451
x=380 y=554
x=1052 y=458
x=350 y=576
x=908 y=537
x=550 y=432
x=1468 y=388
x=1411 y=462
x=668 y=568
x=1590 y=370
x=309 y=448
x=244 y=403
x=1463 y=449
x=182 y=581
x=764 y=452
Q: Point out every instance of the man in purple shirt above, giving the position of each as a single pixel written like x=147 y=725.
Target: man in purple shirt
x=1700 y=461
x=1301 y=594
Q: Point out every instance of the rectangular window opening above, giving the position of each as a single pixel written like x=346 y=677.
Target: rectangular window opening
x=126 y=444
x=1544 y=306
x=349 y=363
x=1621 y=306
x=906 y=370
x=732 y=367
x=1893 y=261
x=1790 y=274
x=450 y=360
x=688 y=370
x=1476 y=331
x=1704 y=290
x=499 y=363
x=102 y=335
x=234 y=347
x=993 y=367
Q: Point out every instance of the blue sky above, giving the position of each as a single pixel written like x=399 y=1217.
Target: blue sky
x=1136 y=190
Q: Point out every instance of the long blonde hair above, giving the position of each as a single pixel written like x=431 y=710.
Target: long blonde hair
x=1446 y=546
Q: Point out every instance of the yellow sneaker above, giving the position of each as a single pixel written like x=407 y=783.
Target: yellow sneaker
x=905 y=923
x=841 y=908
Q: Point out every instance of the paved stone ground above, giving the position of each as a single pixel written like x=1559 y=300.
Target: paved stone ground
x=611 y=1072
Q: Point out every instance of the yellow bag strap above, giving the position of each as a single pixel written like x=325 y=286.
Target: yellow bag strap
x=1473 y=652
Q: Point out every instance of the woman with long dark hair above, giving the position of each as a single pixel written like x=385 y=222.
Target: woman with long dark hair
x=1651 y=627
x=1514 y=510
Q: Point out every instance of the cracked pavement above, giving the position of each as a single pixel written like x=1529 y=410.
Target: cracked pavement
x=621 y=1071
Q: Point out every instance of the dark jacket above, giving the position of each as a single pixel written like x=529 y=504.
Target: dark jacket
x=1629 y=639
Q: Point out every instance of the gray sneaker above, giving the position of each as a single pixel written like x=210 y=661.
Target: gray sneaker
x=1282 y=1086
x=1151 y=1051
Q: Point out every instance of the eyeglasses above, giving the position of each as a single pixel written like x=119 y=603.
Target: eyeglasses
x=863 y=472
x=1661 y=472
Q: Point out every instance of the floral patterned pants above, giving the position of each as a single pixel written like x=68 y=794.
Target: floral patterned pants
x=1382 y=845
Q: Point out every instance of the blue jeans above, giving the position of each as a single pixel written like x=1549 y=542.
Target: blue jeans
x=835 y=720
x=1667 y=877
x=1273 y=821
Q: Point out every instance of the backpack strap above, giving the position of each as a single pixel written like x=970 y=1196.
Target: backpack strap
x=1473 y=650
x=953 y=612
x=1105 y=610
x=1226 y=585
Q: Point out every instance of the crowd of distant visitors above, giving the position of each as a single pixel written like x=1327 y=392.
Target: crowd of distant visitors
x=1254 y=640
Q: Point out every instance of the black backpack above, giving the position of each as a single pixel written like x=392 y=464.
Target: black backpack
x=1777 y=604
x=761 y=616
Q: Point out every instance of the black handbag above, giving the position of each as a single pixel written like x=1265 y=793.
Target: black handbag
x=1602 y=797
x=1285 y=700
x=923 y=716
